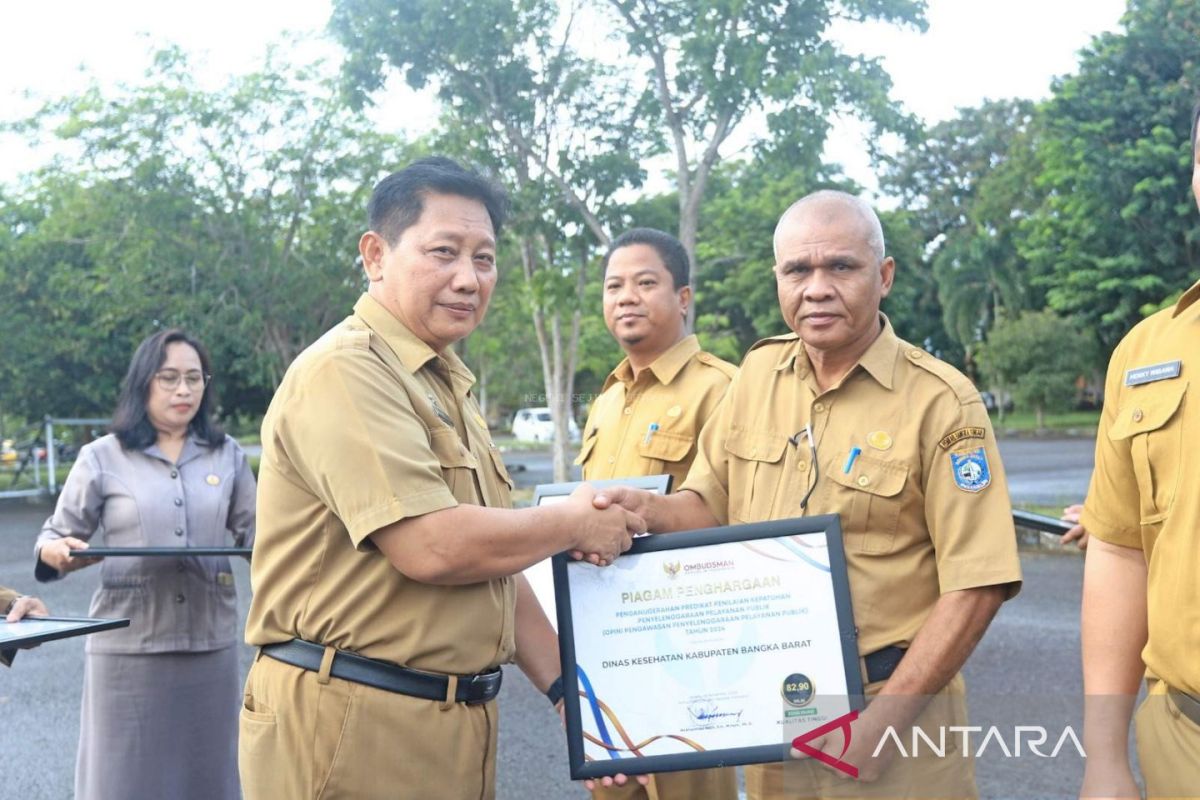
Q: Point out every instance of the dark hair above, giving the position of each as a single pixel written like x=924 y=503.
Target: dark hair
x=669 y=249
x=131 y=423
x=1195 y=123
x=398 y=200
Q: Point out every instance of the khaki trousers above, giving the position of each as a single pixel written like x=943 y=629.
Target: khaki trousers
x=924 y=775
x=709 y=784
x=1168 y=745
x=304 y=736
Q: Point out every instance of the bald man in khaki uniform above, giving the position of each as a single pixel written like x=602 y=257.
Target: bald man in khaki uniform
x=1141 y=588
x=649 y=415
x=842 y=417
x=384 y=600
x=14 y=606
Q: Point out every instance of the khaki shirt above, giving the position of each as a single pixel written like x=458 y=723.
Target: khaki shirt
x=924 y=507
x=370 y=426
x=1145 y=490
x=141 y=498
x=678 y=393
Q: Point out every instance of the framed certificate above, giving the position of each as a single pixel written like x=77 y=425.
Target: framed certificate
x=176 y=552
x=29 y=631
x=706 y=648
x=541 y=575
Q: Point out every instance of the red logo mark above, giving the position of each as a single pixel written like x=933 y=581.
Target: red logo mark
x=801 y=743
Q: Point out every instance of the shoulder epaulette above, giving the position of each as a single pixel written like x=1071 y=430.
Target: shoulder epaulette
x=353 y=339
x=962 y=387
x=770 y=340
x=726 y=369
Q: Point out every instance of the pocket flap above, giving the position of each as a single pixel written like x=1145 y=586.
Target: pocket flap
x=589 y=444
x=755 y=445
x=873 y=475
x=498 y=461
x=666 y=446
x=449 y=449
x=1145 y=411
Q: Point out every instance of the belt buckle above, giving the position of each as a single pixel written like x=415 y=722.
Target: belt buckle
x=481 y=687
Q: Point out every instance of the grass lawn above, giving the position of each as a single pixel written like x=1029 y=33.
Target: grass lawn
x=1069 y=423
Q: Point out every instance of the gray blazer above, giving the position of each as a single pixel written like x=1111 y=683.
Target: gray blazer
x=141 y=499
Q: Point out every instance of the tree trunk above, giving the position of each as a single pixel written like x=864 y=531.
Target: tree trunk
x=1040 y=415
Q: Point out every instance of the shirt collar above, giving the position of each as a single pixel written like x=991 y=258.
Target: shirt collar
x=879 y=361
x=1189 y=297
x=412 y=351
x=191 y=449
x=665 y=368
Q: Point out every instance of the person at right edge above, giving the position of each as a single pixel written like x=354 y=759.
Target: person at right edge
x=1141 y=584
x=649 y=414
x=906 y=457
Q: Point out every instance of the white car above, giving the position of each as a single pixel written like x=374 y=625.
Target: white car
x=535 y=425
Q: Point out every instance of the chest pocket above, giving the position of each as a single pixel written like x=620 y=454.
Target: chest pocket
x=1150 y=421
x=589 y=444
x=869 y=500
x=457 y=462
x=756 y=474
x=501 y=470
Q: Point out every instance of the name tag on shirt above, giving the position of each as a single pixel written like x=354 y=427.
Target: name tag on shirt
x=1155 y=372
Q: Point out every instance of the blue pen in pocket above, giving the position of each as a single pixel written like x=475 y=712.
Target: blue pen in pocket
x=854 y=451
x=650 y=432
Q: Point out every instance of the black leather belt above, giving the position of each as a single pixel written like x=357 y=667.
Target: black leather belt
x=1188 y=706
x=882 y=663
x=472 y=689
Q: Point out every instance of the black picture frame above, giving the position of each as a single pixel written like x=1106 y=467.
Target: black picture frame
x=173 y=552
x=659 y=484
x=829 y=525
x=65 y=628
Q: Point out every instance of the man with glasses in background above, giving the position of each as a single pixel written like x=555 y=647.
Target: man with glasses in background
x=843 y=417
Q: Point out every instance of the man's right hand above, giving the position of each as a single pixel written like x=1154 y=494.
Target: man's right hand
x=55 y=554
x=603 y=531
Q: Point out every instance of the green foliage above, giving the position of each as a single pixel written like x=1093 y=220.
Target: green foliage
x=1037 y=356
x=1117 y=231
x=233 y=213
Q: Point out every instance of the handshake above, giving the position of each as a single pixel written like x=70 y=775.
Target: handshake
x=604 y=522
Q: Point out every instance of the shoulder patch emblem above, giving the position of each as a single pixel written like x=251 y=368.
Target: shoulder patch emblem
x=970 y=468
x=952 y=438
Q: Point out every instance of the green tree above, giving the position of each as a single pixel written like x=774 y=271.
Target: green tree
x=1037 y=357
x=233 y=213
x=1117 y=234
x=967 y=187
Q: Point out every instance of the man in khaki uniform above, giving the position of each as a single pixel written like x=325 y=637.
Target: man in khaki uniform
x=1141 y=587
x=842 y=417
x=383 y=592
x=15 y=606
x=650 y=412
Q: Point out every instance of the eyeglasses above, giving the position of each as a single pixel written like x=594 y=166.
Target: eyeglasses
x=816 y=472
x=168 y=379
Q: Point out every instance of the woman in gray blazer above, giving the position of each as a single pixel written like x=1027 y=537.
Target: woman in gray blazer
x=161 y=697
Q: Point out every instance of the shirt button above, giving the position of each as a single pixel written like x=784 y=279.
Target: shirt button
x=178 y=501
x=178 y=598
x=863 y=480
x=174 y=473
x=914 y=353
x=802 y=466
x=1137 y=415
x=818 y=407
x=611 y=459
x=179 y=531
x=628 y=409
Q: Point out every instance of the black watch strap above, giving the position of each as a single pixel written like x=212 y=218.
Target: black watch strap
x=555 y=691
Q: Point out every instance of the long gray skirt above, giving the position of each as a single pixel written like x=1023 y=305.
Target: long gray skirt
x=159 y=726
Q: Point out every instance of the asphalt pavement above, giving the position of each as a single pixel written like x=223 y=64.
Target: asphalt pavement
x=1024 y=673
